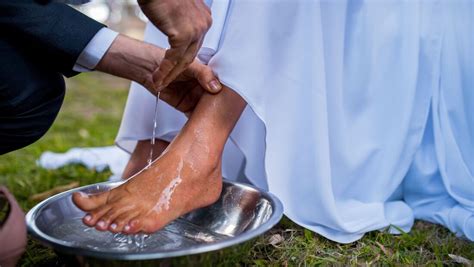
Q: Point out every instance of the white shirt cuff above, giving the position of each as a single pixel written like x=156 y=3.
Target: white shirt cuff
x=95 y=50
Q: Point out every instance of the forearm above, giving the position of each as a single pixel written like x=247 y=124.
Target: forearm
x=132 y=59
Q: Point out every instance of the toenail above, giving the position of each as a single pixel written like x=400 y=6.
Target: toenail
x=113 y=226
x=82 y=194
x=88 y=217
x=127 y=228
x=101 y=224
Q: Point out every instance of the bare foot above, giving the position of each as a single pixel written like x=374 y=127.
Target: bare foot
x=181 y=180
x=185 y=177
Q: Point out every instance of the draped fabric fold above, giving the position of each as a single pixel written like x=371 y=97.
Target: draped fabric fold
x=359 y=113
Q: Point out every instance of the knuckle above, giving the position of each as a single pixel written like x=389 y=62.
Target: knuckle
x=208 y=72
x=173 y=33
x=188 y=61
x=208 y=21
x=184 y=37
x=202 y=27
x=167 y=64
x=196 y=28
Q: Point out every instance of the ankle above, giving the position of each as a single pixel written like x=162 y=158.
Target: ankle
x=196 y=145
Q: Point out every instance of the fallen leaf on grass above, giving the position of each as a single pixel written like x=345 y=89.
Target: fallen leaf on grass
x=377 y=258
x=54 y=191
x=383 y=248
x=461 y=260
x=84 y=133
x=276 y=239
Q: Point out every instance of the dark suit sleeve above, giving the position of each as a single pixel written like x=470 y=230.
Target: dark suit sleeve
x=54 y=31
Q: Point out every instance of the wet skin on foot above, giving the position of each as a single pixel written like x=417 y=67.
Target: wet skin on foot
x=186 y=177
x=151 y=199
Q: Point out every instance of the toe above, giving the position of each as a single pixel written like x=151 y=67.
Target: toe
x=89 y=202
x=133 y=226
x=107 y=219
x=121 y=221
x=94 y=217
x=114 y=213
x=150 y=226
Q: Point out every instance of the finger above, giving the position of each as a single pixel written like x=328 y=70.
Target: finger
x=190 y=99
x=174 y=93
x=206 y=78
x=183 y=63
x=171 y=59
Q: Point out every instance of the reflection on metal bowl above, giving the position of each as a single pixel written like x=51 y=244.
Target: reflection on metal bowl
x=241 y=213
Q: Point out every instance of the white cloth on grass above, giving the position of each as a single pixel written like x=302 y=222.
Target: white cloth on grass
x=93 y=158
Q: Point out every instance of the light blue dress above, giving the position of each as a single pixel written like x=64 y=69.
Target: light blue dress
x=360 y=113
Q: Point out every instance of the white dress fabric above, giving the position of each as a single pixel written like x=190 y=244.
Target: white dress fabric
x=360 y=114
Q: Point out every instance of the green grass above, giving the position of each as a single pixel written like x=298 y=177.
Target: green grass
x=91 y=116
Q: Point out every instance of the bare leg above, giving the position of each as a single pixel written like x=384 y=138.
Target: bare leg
x=185 y=177
x=139 y=157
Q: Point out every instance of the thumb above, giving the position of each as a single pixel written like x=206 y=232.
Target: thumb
x=207 y=79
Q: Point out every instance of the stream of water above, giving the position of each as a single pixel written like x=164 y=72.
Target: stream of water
x=152 y=141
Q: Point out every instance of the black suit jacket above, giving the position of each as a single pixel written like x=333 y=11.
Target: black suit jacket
x=52 y=33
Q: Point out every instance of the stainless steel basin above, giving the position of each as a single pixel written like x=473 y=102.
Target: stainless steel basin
x=241 y=213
